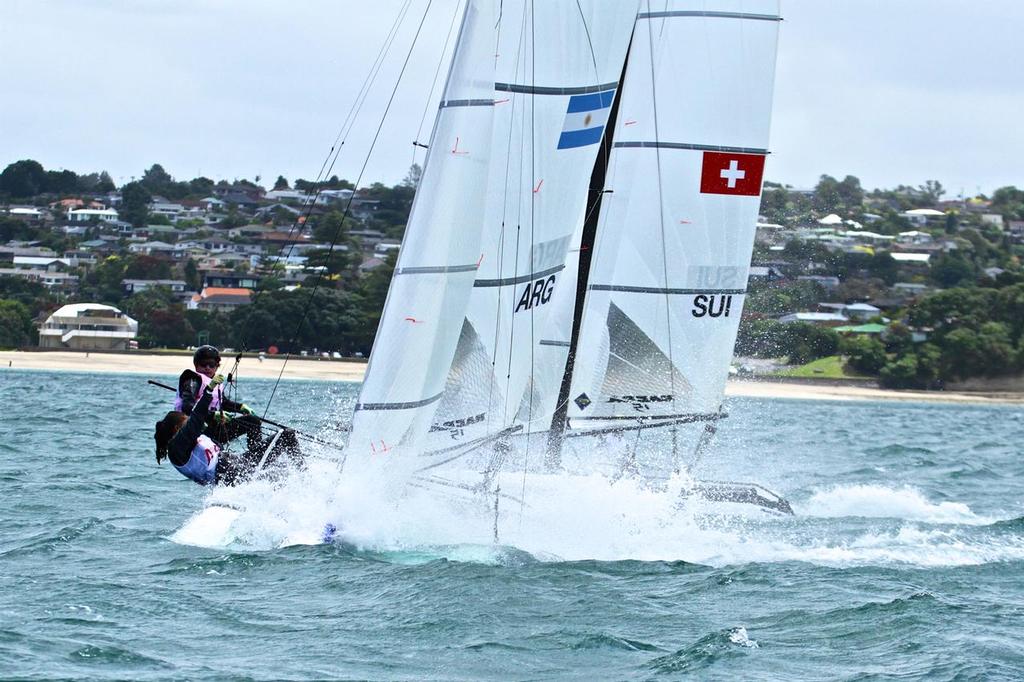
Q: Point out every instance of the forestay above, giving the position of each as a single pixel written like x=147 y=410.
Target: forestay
x=673 y=245
x=423 y=314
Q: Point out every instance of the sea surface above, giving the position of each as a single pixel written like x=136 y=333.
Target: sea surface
x=905 y=559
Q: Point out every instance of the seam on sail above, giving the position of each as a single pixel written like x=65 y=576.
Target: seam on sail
x=549 y=342
x=466 y=103
x=398 y=406
x=710 y=15
x=518 y=280
x=548 y=90
x=434 y=269
x=661 y=290
x=693 y=147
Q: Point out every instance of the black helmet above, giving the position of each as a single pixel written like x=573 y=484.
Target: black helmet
x=205 y=354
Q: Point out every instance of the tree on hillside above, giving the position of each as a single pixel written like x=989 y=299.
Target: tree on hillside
x=202 y=187
x=1010 y=202
x=16 y=329
x=281 y=183
x=932 y=191
x=827 y=198
x=134 y=204
x=156 y=180
x=851 y=194
x=162 y=321
x=146 y=267
x=23 y=179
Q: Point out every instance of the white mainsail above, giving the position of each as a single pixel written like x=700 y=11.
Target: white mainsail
x=672 y=251
x=433 y=279
x=558 y=67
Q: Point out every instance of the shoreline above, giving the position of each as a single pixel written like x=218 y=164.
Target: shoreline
x=156 y=364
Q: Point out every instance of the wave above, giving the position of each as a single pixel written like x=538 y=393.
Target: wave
x=706 y=651
x=877 y=501
x=590 y=518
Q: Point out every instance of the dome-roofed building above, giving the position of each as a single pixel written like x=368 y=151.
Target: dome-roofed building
x=88 y=326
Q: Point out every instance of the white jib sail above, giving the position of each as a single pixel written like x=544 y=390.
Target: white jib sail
x=437 y=264
x=673 y=245
x=558 y=67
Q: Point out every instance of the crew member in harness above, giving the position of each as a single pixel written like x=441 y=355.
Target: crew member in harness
x=219 y=427
x=198 y=457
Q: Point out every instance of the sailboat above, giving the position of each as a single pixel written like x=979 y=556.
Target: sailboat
x=570 y=285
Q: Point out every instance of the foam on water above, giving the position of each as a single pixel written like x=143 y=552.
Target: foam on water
x=587 y=517
x=877 y=501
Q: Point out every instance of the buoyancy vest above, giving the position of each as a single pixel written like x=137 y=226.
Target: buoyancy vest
x=201 y=466
x=218 y=394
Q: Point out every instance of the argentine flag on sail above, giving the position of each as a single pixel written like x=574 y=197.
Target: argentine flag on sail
x=585 y=119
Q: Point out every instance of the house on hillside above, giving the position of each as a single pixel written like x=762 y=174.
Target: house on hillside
x=923 y=216
x=819 y=319
x=88 y=326
x=86 y=215
x=220 y=299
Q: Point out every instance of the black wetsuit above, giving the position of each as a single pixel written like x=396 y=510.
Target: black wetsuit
x=231 y=467
x=189 y=388
x=179 y=449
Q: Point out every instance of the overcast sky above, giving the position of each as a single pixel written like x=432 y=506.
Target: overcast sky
x=892 y=91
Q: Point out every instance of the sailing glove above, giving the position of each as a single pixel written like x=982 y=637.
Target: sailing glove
x=245 y=409
x=215 y=382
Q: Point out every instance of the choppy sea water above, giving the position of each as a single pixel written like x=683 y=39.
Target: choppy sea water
x=905 y=559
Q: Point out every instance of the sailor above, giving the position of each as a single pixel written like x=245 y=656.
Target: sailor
x=219 y=426
x=198 y=457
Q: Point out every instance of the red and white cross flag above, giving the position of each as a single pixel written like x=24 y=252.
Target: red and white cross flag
x=731 y=173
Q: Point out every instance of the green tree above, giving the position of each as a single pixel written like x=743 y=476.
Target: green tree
x=827 y=198
x=23 y=179
x=805 y=342
x=146 y=267
x=932 y=191
x=851 y=194
x=162 y=321
x=953 y=270
x=281 y=183
x=865 y=354
x=134 y=204
x=16 y=329
x=332 y=227
x=202 y=187
x=157 y=181
x=102 y=284
x=192 y=279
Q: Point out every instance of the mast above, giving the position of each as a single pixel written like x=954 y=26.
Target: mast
x=559 y=421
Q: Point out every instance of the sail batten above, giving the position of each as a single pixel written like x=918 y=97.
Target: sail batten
x=660 y=144
x=527 y=89
x=625 y=288
x=518 y=279
x=668 y=14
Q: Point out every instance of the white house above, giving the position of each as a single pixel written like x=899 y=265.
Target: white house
x=85 y=215
x=823 y=319
x=921 y=216
x=911 y=258
x=88 y=326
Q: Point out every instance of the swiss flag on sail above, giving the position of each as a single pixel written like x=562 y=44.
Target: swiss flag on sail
x=731 y=173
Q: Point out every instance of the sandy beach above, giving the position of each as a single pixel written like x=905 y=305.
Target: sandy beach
x=156 y=365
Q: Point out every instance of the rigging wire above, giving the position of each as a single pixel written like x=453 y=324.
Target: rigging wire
x=433 y=84
x=533 y=242
x=661 y=223
x=327 y=165
x=359 y=178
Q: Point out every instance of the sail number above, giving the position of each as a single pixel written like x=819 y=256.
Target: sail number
x=536 y=293
x=711 y=305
